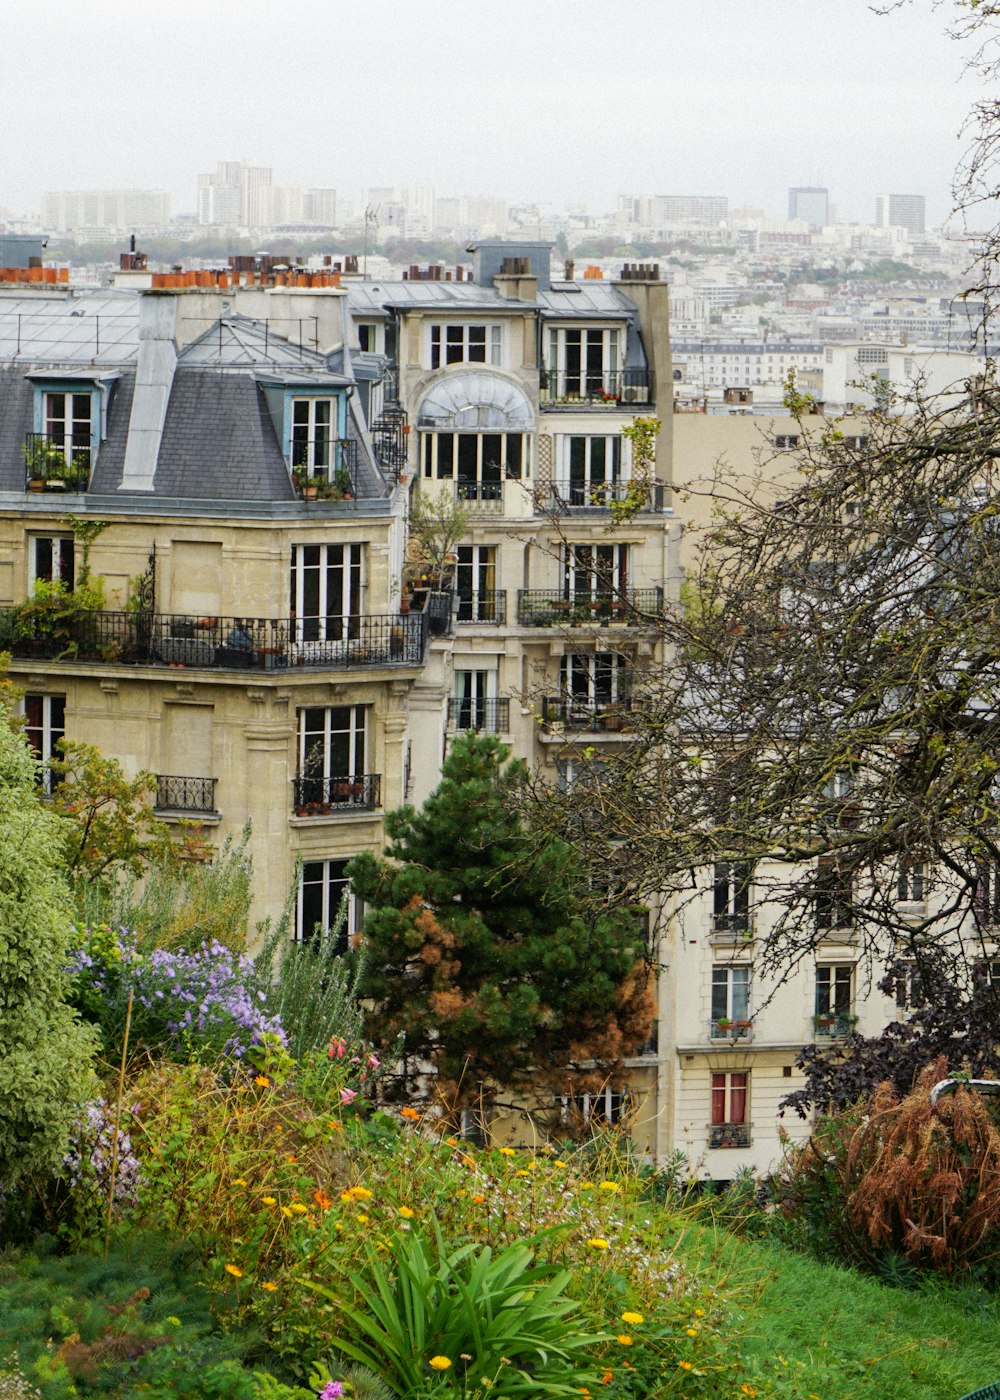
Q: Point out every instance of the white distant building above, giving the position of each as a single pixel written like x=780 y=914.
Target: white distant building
x=901 y=211
x=65 y=211
x=234 y=195
x=849 y=369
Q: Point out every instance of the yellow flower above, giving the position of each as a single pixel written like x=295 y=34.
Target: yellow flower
x=747 y=1390
x=692 y=1331
x=586 y=1186
x=239 y=1181
x=597 y=1244
x=406 y=1212
x=440 y=1363
x=338 y=1226
x=624 y=1340
x=634 y=1319
x=298 y=1208
x=359 y=1193
x=271 y=1287
x=232 y=1269
x=286 y=1211
x=609 y=1186
x=557 y=1163
x=269 y=1200
x=522 y=1173
x=262 y=1081
x=699 y=1312
x=686 y=1365
x=362 y=1220
x=507 y=1152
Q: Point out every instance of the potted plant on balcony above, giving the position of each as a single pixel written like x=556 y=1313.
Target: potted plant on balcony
x=307 y=486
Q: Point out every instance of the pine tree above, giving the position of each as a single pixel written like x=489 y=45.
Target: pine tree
x=487 y=950
x=45 y=1053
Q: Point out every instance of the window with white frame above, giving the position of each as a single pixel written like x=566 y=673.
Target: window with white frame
x=371 y=338
x=314 y=435
x=594 y=679
x=591 y=468
x=68 y=420
x=481 y=458
x=731 y=895
x=45 y=725
x=784 y=442
x=834 y=991
x=604 y=1106
x=476 y=582
x=457 y=344
x=730 y=1109
x=595 y=570
x=475 y=699
x=583 y=361
x=730 y=998
x=325 y=901
x=52 y=557
x=331 y=742
x=327 y=582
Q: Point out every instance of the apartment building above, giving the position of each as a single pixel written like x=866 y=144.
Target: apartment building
x=250 y=650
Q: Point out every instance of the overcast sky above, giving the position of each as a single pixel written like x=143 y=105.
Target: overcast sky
x=523 y=99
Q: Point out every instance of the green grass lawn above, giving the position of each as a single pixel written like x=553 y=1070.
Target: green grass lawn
x=814 y=1329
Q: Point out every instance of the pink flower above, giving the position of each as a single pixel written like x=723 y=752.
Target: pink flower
x=333 y=1390
x=337 y=1050
x=348 y=1095
x=374 y=1061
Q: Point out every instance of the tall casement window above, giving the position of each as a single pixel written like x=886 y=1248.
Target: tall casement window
x=323 y=893
x=730 y=1121
x=475 y=705
x=594 y=679
x=314 y=434
x=583 y=362
x=594 y=570
x=834 y=896
x=730 y=997
x=475 y=457
x=731 y=896
x=332 y=743
x=68 y=424
x=591 y=465
x=466 y=344
x=45 y=725
x=52 y=557
x=476 y=582
x=834 y=991
x=327 y=581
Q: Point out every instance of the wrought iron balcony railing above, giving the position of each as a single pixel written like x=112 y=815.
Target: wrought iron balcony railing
x=602 y=716
x=834 y=1025
x=319 y=797
x=488 y=607
x=609 y=388
x=325 y=468
x=724 y=1029
x=193 y=796
x=492 y=715
x=574 y=496
x=729 y=1135
x=389 y=435
x=538 y=607
x=229 y=643
x=50 y=464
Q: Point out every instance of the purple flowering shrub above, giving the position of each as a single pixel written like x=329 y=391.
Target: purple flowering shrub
x=88 y=1163
x=195 y=1005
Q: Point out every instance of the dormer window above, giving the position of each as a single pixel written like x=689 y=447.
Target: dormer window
x=62 y=449
x=317 y=444
x=466 y=344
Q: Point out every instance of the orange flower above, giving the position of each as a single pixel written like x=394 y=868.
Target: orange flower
x=322 y=1200
x=479 y=1200
x=606 y=1378
x=262 y=1081
x=271 y=1287
x=232 y=1269
x=410 y=1113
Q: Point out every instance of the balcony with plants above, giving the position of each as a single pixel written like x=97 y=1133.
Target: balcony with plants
x=596 y=388
x=53 y=464
x=325 y=469
x=337 y=795
x=559 y=607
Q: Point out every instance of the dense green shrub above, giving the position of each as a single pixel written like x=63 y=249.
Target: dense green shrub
x=45 y=1051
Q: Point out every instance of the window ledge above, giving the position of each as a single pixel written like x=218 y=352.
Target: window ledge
x=351 y=814
x=174 y=814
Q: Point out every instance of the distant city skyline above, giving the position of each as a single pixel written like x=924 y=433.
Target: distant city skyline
x=663 y=97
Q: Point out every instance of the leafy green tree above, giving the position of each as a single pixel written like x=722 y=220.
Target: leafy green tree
x=44 y=1050
x=488 y=951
